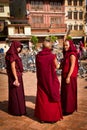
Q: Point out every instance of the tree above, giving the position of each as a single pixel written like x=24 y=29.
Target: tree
x=52 y=38
x=34 y=40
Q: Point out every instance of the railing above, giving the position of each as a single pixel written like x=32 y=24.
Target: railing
x=39 y=25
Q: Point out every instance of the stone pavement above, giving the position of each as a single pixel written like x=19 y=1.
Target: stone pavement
x=76 y=121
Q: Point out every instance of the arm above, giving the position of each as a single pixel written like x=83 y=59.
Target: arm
x=57 y=64
x=72 y=62
x=16 y=82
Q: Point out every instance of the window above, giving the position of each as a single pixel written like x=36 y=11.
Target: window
x=76 y=27
x=80 y=2
x=55 y=5
x=36 y=5
x=70 y=27
x=16 y=30
x=37 y=19
x=69 y=14
x=51 y=6
x=1 y=8
x=19 y=30
x=81 y=15
x=80 y=27
x=75 y=14
x=69 y=2
x=56 y=20
x=75 y=2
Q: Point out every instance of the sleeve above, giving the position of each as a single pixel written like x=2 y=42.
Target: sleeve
x=73 y=53
x=12 y=58
x=54 y=56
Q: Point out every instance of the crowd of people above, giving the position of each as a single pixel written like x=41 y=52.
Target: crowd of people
x=53 y=99
x=81 y=50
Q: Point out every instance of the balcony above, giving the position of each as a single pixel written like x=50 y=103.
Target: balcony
x=48 y=29
x=45 y=26
x=39 y=26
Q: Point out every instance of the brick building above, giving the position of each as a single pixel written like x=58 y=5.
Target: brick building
x=46 y=17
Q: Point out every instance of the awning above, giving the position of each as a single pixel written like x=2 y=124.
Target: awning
x=49 y=34
x=76 y=37
x=77 y=34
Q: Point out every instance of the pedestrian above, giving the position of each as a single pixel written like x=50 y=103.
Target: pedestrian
x=48 y=104
x=69 y=78
x=16 y=101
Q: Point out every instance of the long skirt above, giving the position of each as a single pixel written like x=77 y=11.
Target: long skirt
x=16 y=102
x=69 y=95
x=45 y=110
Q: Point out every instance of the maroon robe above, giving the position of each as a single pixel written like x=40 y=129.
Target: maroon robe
x=16 y=101
x=69 y=91
x=48 y=106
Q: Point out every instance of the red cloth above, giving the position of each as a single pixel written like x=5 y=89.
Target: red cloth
x=69 y=95
x=16 y=101
x=48 y=106
x=69 y=91
x=66 y=65
x=46 y=110
x=12 y=55
x=66 y=62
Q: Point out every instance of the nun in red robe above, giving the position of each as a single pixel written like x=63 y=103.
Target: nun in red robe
x=48 y=104
x=69 y=78
x=16 y=101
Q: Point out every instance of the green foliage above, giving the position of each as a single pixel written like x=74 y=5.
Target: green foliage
x=34 y=40
x=51 y=38
x=68 y=38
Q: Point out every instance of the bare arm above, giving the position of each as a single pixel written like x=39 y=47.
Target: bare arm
x=57 y=64
x=16 y=82
x=72 y=61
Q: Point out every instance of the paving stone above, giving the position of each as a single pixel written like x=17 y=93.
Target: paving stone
x=76 y=121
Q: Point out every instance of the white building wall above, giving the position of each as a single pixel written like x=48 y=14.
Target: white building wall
x=27 y=31
x=10 y=31
x=72 y=8
x=6 y=12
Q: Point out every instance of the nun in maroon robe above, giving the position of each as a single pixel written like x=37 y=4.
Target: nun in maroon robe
x=48 y=104
x=69 y=90
x=16 y=101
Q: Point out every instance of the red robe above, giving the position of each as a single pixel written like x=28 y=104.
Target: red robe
x=69 y=91
x=48 y=106
x=16 y=101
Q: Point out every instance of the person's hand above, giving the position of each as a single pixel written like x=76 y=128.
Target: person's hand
x=58 y=65
x=16 y=83
x=68 y=80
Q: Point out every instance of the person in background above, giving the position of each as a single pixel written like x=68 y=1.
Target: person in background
x=48 y=104
x=16 y=101
x=69 y=78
